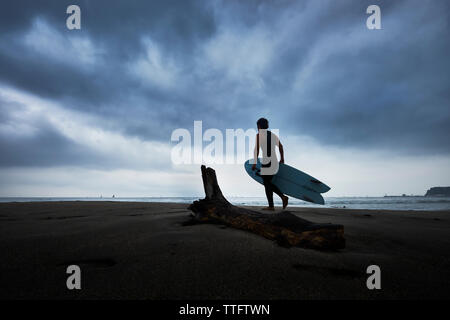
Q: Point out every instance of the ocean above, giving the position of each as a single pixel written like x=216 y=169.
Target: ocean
x=377 y=203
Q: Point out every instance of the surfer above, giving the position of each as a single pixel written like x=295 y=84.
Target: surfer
x=268 y=142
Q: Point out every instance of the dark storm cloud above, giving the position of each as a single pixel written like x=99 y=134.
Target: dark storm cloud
x=37 y=145
x=46 y=147
x=30 y=139
x=311 y=67
x=391 y=92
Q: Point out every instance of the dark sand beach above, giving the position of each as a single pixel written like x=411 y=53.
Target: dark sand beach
x=142 y=251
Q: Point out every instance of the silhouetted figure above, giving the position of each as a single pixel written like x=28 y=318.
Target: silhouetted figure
x=268 y=149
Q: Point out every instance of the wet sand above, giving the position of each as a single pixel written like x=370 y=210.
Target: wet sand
x=129 y=250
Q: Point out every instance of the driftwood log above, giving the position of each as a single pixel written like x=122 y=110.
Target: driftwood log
x=284 y=227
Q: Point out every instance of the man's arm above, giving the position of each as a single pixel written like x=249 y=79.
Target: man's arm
x=256 y=153
x=280 y=146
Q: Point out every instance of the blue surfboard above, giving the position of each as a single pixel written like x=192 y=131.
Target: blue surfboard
x=292 y=182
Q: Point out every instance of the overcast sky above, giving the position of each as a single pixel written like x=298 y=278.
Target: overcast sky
x=91 y=111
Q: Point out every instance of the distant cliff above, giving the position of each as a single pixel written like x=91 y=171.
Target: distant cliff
x=438 y=192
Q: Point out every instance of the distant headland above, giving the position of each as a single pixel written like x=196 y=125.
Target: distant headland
x=432 y=192
x=438 y=192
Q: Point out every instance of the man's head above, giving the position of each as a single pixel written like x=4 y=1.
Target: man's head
x=262 y=123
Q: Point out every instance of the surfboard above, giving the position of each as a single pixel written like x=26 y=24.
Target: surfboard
x=292 y=182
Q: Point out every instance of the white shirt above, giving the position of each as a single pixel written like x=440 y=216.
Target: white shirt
x=266 y=159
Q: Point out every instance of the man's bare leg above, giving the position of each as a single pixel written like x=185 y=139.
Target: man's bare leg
x=285 y=200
